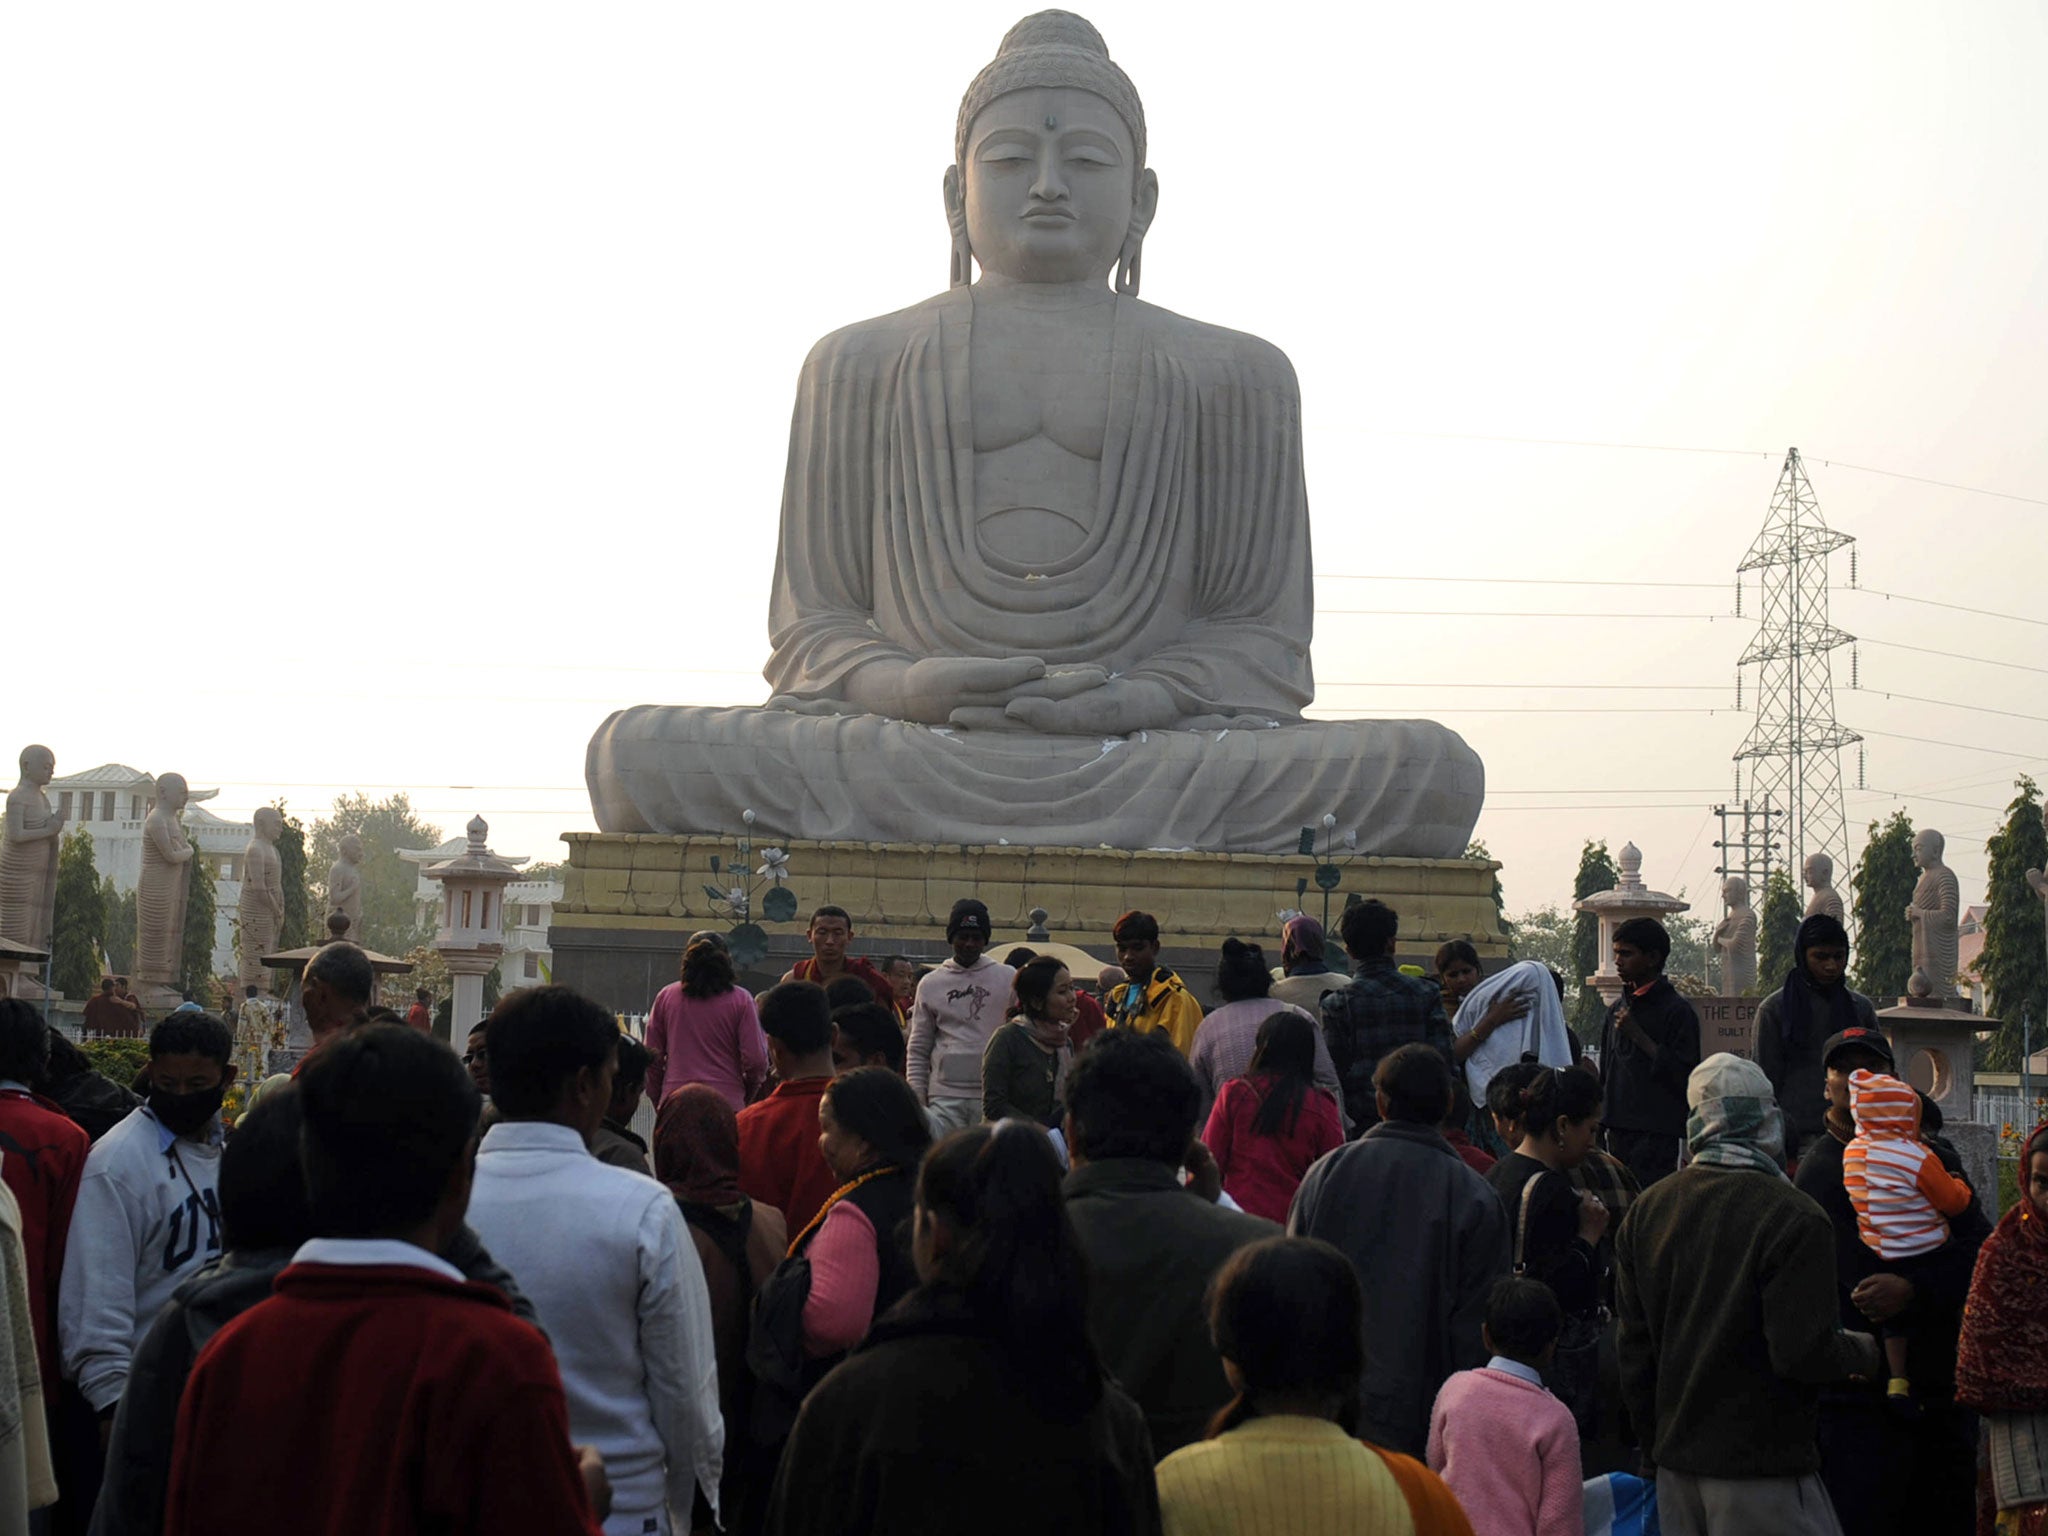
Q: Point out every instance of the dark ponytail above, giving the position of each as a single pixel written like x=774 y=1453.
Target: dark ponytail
x=1573 y=1094
x=1014 y=1256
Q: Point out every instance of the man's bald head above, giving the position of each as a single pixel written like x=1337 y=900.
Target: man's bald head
x=336 y=988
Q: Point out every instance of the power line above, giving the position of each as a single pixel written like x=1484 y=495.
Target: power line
x=1551 y=709
x=1981 y=709
x=1541 y=687
x=1947 y=485
x=1925 y=650
x=1936 y=741
x=1477 y=613
x=1906 y=794
x=1928 y=602
x=1517 y=581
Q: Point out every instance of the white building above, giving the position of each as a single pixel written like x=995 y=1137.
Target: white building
x=529 y=908
x=112 y=801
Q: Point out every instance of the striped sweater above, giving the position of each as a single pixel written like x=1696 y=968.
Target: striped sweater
x=1902 y=1194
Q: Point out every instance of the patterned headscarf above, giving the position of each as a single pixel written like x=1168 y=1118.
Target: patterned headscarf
x=1735 y=1121
x=697 y=1146
x=2002 y=1357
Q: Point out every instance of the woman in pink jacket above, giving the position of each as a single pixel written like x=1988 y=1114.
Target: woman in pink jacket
x=1507 y=1448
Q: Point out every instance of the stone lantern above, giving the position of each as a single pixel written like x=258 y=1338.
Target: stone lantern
x=1629 y=899
x=472 y=932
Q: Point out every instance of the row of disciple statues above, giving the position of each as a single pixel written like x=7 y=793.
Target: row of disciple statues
x=1934 y=916
x=28 y=878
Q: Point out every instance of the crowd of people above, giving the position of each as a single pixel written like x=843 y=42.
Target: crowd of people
x=992 y=1247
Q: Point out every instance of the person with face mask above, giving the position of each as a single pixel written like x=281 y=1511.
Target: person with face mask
x=148 y=1216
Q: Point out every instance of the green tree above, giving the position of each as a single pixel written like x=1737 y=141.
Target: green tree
x=2014 y=964
x=80 y=921
x=1596 y=873
x=391 y=914
x=1777 y=929
x=296 y=932
x=1544 y=935
x=557 y=870
x=1692 y=940
x=118 y=944
x=1475 y=850
x=195 y=956
x=1884 y=882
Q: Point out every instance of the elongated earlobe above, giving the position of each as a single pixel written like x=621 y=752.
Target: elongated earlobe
x=961 y=270
x=1128 y=267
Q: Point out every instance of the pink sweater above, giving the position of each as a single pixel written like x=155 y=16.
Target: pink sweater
x=716 y=1041
x=1510 y=1452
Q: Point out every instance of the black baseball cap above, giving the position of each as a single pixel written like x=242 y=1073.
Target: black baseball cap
x=1861 y=1039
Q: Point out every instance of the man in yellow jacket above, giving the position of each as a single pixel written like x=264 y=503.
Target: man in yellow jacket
x=1154 y=999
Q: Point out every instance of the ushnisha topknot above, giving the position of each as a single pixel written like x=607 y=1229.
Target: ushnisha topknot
x=1052 y=48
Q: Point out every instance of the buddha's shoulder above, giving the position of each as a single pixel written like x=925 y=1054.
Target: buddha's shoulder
x=885 y=336
x=1205 y=348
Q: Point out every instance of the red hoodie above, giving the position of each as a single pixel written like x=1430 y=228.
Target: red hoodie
x=42 y=1158
x=375 y=1399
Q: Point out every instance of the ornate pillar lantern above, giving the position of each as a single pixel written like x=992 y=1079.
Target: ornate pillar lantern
x=471 y=937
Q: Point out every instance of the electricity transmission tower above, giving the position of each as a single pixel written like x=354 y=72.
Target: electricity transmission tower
x=1793 y=750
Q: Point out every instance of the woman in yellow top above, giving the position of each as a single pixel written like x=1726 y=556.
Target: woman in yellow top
x=1282 y=1458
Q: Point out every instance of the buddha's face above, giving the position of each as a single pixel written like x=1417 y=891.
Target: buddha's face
x=1927 y=849
x=1052 y=190
x=39 y=765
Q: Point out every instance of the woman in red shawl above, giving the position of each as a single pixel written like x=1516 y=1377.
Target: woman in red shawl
x=2002 y=1363
x=697 y=1155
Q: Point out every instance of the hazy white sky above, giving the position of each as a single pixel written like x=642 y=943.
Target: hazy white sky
x=388 y=392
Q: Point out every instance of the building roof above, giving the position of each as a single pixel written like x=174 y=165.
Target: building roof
x=118 y=776
x=451 y=849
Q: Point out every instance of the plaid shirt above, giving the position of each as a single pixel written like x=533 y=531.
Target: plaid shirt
x=1609 y=1178
x=1377 y=1012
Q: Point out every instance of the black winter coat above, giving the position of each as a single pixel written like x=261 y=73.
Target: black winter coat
x=923 y=1431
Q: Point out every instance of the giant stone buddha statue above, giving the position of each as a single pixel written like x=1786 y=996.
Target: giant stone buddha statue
x=1043 y=571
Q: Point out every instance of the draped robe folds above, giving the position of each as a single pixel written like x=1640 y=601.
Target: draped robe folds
x=1193 y=573
x=160 y=899
x=28 y=871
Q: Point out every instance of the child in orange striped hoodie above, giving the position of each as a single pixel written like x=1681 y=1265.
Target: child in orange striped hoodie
x=1903 y=1198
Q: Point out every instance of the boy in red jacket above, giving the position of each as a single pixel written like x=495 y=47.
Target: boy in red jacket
x=377 y=1389
x=42 y=1157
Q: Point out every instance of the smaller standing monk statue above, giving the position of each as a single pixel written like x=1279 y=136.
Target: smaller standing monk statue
x=28 y=855
x=261 y=913
x=1819 y=874
x=160 y=893
x=1736 y=939
x=1935 y=913
x=345 y=886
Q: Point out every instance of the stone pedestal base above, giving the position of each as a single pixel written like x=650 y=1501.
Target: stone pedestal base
x=631 y=899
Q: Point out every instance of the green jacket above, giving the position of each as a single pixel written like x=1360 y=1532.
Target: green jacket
x=1152 y=1248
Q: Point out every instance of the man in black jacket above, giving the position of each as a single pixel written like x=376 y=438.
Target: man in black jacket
x=1888 y=1476
x=1648 y=1047
x=1152 y=1245
x=1792 y=1024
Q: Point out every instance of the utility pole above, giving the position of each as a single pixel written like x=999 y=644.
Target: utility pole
x=1793 y=750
